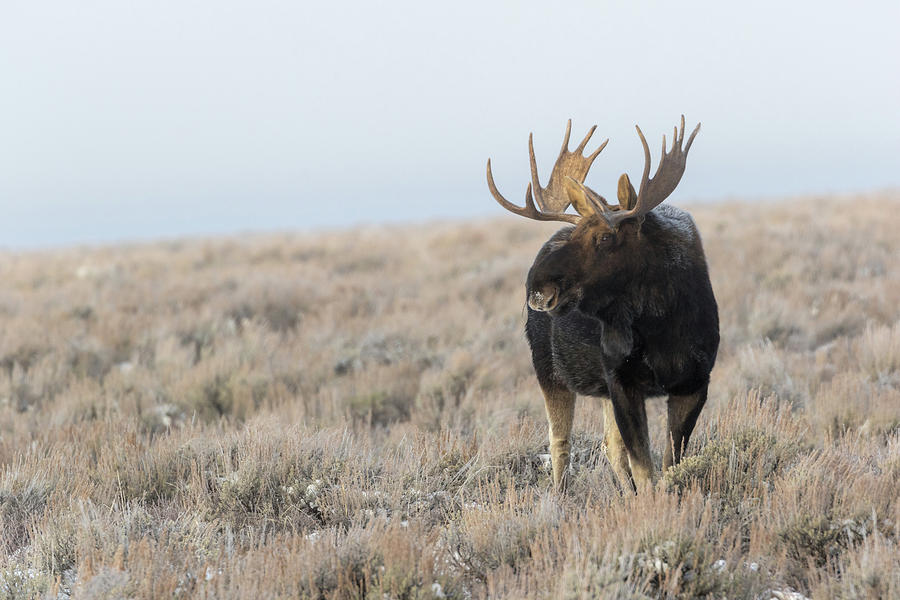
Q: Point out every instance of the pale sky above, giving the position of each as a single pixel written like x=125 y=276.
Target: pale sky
x=155 y=119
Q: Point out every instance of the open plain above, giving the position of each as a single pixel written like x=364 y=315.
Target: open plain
x=354 y=415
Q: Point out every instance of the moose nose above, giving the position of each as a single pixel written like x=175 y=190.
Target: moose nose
x=543 y=299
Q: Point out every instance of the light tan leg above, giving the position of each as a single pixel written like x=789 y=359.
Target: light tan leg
x=683 y=412
x=560 y=405
x=615 y=447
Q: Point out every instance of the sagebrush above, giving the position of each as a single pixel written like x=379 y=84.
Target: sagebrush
x=354 y=415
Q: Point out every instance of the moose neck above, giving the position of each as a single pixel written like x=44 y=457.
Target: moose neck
x=603 y=299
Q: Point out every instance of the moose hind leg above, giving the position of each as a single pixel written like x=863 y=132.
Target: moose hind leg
x=560 y=405
x=683 y=412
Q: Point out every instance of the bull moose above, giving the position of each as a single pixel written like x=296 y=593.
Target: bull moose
x=620 y=306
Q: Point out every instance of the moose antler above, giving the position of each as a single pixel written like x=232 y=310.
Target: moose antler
x=656 y=189
x=552 y=199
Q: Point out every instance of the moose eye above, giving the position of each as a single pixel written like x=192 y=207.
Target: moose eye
x=605 y=237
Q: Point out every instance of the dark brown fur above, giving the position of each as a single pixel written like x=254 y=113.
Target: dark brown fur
x=620 y=305
x=624 y=314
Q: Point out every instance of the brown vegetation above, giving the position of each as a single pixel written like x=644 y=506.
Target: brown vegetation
x=355 y=415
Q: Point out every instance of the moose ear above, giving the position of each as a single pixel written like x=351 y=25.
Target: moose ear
x=626 y=193
x=578 y=198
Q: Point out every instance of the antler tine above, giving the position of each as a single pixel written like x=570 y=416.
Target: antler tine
x=655 y=190
x=690 y=139
x=646 y=176
x=597 y=152
x=535 y=180
x=586 y=139
x=565 y=144
x=529 y=210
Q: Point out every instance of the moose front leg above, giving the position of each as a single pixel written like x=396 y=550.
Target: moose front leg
x=631 y=419
x=615 y=446
x=560 y=405
x=683 y=412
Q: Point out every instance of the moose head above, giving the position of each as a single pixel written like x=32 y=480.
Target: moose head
x=603 y=248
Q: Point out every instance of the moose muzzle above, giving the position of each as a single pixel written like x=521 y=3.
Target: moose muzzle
x=544 y=299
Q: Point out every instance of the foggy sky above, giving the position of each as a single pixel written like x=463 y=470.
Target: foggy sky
x=141 y=120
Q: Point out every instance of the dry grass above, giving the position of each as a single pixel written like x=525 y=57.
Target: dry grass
x=354 y=415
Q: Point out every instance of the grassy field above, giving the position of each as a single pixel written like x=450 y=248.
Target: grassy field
x=354 y=415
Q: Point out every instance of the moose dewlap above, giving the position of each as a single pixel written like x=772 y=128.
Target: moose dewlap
x=619 y=306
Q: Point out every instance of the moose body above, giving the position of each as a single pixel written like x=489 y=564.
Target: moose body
x=655 y=328
x=620 y=306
